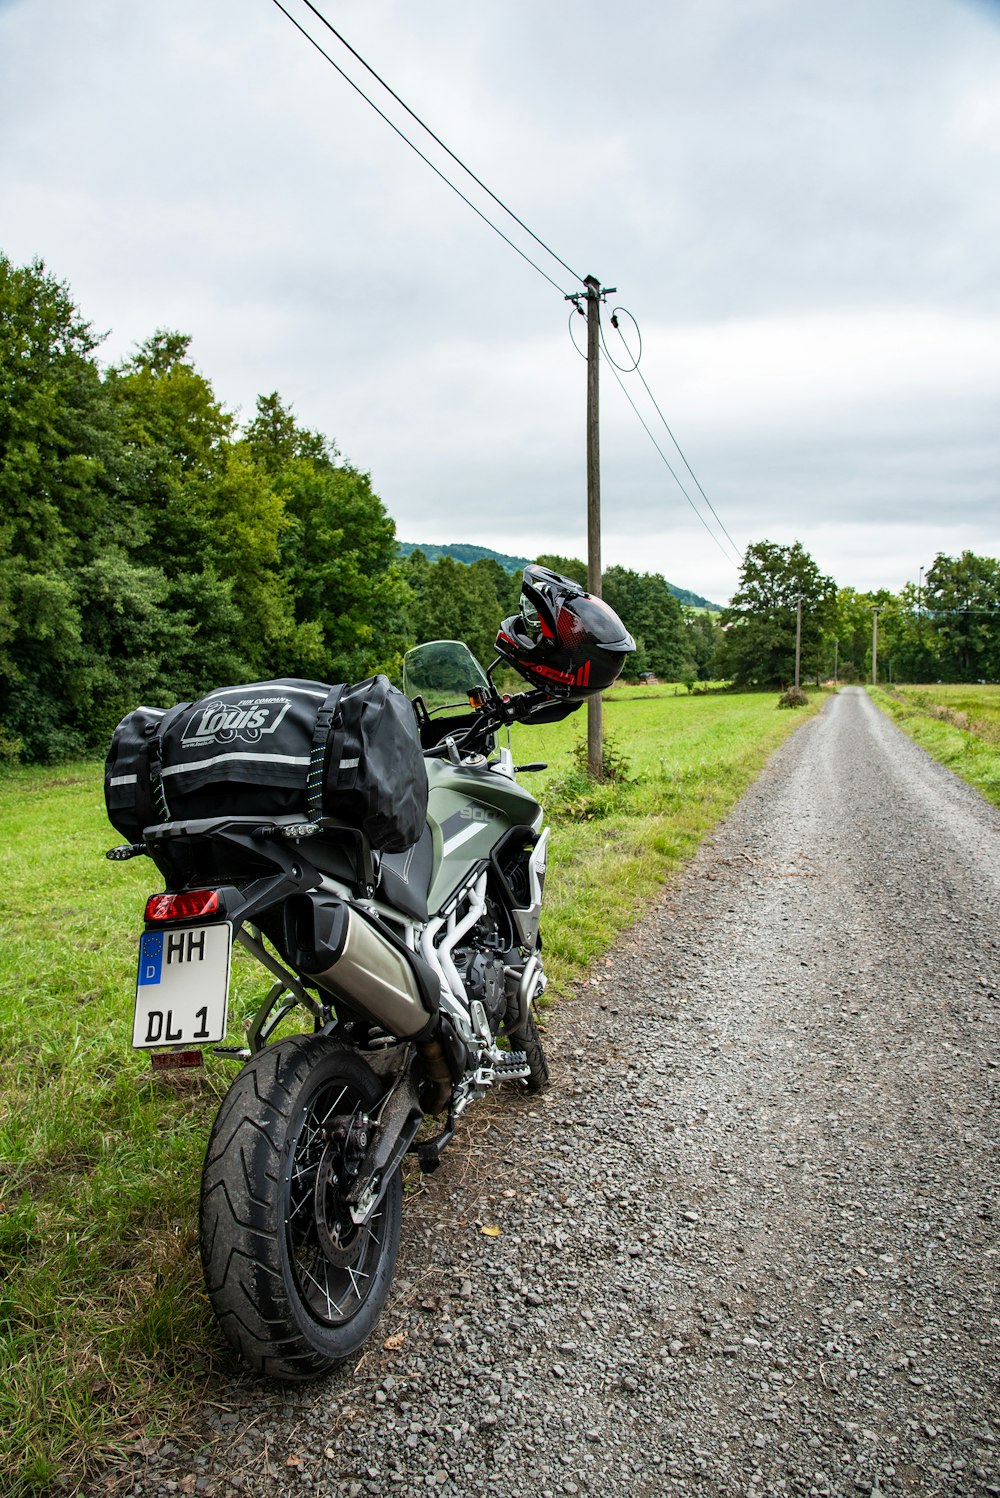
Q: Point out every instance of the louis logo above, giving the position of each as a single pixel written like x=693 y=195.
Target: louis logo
x=223 y=722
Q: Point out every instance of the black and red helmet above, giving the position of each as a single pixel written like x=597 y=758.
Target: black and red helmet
x=564 y=640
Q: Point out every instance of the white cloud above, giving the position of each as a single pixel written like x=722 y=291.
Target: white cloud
x=798 y=203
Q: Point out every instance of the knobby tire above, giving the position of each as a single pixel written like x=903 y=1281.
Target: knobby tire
x=289 y=1307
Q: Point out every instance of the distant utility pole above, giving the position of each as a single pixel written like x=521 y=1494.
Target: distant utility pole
x=595 y=294
x=920 y=607
x=595 y=707
x=798 y=640
x=874 y=647
x=836 y=659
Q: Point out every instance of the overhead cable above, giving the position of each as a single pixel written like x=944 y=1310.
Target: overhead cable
x=737 y=563
x=642 y=377
x=615 y=367
x=424 y=126
x=426 y=159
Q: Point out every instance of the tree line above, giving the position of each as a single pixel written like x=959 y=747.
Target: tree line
x=151 y=547
x=944 y=627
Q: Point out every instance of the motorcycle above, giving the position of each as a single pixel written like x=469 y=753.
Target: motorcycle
x=410 y=980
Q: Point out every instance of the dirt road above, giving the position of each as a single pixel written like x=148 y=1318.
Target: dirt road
x=748 y=1242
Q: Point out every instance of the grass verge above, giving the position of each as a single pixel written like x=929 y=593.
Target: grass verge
x=106 y=1338
x=958 y=725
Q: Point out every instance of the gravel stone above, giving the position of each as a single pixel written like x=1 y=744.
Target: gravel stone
x=780 y=1094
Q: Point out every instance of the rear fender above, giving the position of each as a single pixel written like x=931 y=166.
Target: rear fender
x=174 y=847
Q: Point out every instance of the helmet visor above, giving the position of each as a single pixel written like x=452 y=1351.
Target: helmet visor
x=529 y=614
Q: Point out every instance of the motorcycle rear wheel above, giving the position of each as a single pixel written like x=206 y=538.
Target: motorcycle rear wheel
x=295 y=1285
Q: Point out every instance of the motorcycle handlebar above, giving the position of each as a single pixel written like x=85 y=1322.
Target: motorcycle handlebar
x=476 y=733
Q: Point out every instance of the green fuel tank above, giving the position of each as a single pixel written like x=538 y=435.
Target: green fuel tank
x=469 y=808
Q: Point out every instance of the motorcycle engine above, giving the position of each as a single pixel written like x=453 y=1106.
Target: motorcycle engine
x=482 y=974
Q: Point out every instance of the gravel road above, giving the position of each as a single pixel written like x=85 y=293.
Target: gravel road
x=748 y=1242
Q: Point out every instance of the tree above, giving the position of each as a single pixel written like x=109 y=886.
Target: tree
x=947 y=630
x=653 y=615
x=455 y=601
x=760 y=622
x=905 y=646
x=207 y=515
x=847 y=638
x=148 y=551
x=337 y=552
x=962 y=604
x=704 y=639
x=60 y=458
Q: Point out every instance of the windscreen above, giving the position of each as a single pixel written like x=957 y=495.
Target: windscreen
x=442 y=672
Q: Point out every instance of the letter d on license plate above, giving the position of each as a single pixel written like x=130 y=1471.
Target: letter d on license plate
x=182 y=988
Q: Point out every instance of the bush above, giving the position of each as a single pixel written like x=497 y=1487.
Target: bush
x=616 y=769
x=10 y=747
x=793 y=697
x=577 y=797
x=34 y=726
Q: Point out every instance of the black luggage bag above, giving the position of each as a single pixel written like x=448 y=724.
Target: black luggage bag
x=274 y=748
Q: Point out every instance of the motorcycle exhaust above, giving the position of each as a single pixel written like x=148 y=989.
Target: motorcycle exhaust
x=329 y=941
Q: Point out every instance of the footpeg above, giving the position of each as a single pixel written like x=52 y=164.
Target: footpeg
x=513 y=1068
x=503 y=1066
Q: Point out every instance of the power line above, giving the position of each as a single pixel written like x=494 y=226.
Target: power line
x=642 y=377
x=427 y=161
x=672 y=473
x=507 y=240
x=424 y=126
x=687 y=465
x=633 y=368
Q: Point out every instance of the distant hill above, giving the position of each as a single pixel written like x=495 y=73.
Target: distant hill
x=694 y=600
x=462 y=552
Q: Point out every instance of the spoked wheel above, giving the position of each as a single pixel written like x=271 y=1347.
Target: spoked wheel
x=295 y=1283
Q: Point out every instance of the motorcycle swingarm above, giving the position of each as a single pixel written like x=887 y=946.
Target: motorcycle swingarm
x=395 y=1127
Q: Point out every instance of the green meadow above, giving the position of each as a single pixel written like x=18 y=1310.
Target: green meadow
x=106 y=1339
x=958 y=724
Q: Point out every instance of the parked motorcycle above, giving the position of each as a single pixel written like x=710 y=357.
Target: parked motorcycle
x=380 y=860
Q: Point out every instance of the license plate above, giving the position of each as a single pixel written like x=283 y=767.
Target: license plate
x=182 y=988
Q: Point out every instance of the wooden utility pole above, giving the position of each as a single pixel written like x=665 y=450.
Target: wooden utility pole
x=595 y=294
x=874 y=647
x=920 y=609
x=595 y=730
x=836 y=660
x=798 y=641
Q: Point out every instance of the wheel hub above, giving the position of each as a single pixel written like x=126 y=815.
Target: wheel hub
x=339 y=1237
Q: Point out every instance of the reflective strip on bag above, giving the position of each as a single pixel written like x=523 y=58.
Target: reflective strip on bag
x=221 y=759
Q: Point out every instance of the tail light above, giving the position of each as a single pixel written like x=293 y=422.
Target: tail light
x=194 y=904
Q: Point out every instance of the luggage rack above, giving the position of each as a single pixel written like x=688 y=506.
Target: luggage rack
x=235 y=848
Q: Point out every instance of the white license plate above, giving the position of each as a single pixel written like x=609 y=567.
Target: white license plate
x=182 y=988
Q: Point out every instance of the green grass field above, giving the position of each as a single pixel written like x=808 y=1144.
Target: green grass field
x=106 y=1338
x=959 y=725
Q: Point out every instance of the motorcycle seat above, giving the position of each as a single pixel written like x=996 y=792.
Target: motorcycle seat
x=406 y=877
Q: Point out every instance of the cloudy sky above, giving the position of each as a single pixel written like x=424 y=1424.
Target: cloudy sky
x=798 y=202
